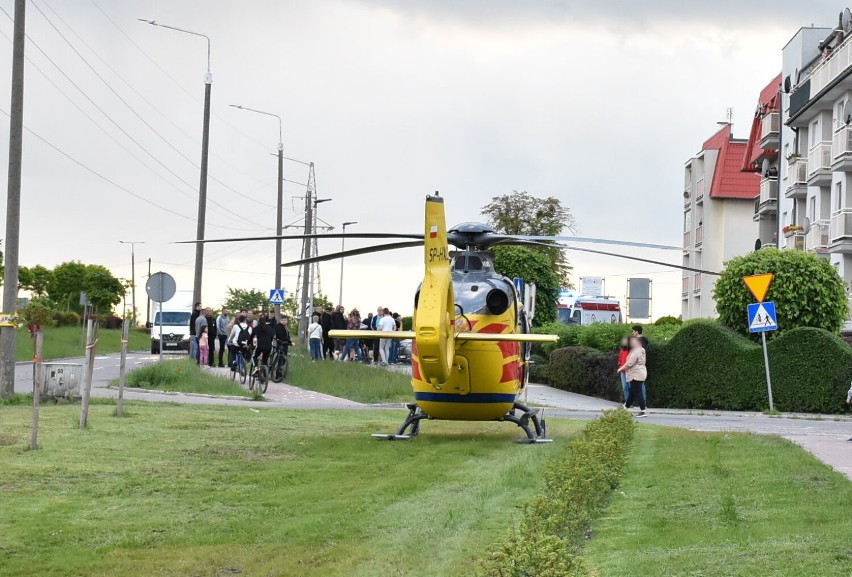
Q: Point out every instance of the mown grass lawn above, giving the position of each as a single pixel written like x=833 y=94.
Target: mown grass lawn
x=185 y=376
x=212 y=491
x=699 y=504
x=353 y=381
x=64 y=342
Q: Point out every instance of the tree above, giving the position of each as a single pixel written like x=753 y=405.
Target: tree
x=807 y=291
x=69 y=279
x=103 y=290
x=36 y=280
x=532 y=266
x=524 y=214
x=242 y=299
x=289 y=306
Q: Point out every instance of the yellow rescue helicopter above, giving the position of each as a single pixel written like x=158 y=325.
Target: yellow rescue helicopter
x=471 y=334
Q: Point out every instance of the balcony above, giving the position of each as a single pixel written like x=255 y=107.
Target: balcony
x=794 y=240
x=770 y=131
x=797 y=178
x=696 y=283
x=767 y=201
x=699 y=235
x=819 y=164
x=699 y=191
x=816 y=239
x=841 y=149
x=840 y=227
x=830 y=68
x=685 y=292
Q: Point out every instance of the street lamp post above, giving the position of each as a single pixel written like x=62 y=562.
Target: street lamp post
x=342 y=244
x=205 y=145
x=132 y=244
x=280 y=207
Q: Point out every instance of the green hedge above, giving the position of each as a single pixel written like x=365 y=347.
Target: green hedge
x=706 y=366
x=600 y=336
x=553 y=527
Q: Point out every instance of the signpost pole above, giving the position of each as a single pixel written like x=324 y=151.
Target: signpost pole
x=768 y=377
x=162 y=280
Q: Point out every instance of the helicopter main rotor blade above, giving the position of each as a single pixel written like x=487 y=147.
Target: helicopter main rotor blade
x=355 y=252
x=606 y=253
x=583 y=239
x=335 y=235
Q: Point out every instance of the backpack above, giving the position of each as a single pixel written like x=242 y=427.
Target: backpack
x=244 y=335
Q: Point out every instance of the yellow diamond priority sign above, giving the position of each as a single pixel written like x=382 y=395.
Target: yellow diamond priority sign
x=758 y=284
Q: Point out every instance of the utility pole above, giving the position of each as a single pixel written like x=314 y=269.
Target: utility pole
x=306 y=268
x=13 y=203
x=148 y=306
x=342 y=244
x=133 y=244
x=279 y=224
x=205 y=144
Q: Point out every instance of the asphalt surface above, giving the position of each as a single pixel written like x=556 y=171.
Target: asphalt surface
x=825 y=436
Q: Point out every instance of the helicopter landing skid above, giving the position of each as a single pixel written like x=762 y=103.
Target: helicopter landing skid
x=535 y=435
x=415 y=415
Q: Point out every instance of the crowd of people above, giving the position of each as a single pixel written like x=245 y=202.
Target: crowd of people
x=378 y=350
x=246 y=332
x=256 y=332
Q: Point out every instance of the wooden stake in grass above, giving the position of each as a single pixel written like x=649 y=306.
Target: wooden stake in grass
x=37 y=372
x=91 y=341
x=125 y=330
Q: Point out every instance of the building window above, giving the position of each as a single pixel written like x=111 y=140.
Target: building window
x=812 y=208
x=838 y=189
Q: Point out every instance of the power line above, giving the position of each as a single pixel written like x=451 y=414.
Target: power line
x=154 y=107
x=132 y=110
x=105 y=178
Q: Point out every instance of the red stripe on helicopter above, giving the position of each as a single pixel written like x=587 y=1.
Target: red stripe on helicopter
x=509 y=349
x=511 y=372
x=493 y=328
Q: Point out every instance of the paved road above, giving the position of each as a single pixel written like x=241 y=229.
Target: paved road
x=826 y=436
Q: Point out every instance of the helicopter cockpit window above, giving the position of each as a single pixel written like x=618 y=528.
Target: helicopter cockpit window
x=469 y=263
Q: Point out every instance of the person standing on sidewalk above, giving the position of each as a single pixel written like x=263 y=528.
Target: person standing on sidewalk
x=212 y=334
x=315 y=338
x=386 y=325
x=222 y=332
x=193 y=340
x=201 y=321
x=637 y=374
x=623 y=352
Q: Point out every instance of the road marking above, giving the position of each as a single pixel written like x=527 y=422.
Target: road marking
x=98 y=368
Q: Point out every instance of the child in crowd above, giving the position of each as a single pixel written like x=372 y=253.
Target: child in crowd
x=203 y=346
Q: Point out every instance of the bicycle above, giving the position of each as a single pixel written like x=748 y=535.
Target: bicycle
x=258 y=380
x=239 y=366
x=278 y=363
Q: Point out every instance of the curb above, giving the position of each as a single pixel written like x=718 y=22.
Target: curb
x=180 y=394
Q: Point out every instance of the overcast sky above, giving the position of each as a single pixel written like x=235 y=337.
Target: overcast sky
x=596 y=103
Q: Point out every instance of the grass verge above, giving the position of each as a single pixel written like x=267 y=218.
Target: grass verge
x=184 y=376
x=553 y=527
x=65 y=342
x=354 y=381
x=733 y=505
x=211 y=491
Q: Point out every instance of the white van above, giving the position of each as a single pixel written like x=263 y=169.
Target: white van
x=174 y=315
x=586 y=310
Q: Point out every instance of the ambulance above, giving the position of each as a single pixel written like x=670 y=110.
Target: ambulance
x=586 y=310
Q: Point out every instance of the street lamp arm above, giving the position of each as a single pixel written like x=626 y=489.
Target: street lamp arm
x=280 y=128
x=176 y=29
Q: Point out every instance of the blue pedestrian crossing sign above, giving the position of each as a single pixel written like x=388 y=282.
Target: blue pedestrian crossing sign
x=276 y=296
x=519 y=286
x=761 y=317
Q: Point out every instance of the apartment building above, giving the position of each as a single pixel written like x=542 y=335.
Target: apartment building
x=718 y=212
x=816 y=141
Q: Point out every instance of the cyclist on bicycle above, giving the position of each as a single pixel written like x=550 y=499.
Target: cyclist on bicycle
x=262 y=339
x=239 y=339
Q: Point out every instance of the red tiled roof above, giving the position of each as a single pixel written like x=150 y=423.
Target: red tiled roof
x=728 y=179
x=768 y=102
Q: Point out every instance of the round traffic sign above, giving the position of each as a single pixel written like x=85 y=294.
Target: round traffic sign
x=160 y=287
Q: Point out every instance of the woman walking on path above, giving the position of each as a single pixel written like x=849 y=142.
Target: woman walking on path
x=636 y=373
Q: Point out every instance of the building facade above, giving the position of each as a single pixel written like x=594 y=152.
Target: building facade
x=816 y=141
x=718 y=212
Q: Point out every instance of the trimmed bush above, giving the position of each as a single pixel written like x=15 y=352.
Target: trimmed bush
x=707 y=366
x=586 y=371
x=552 y=529
x=667 y=320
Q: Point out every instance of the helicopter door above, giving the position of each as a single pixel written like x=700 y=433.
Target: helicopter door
x=459 y=381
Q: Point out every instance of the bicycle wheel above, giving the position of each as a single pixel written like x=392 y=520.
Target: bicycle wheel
x=262 y=381
x=233 y=372
x=285 y=365
x=243 y=372
x=275 y=369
